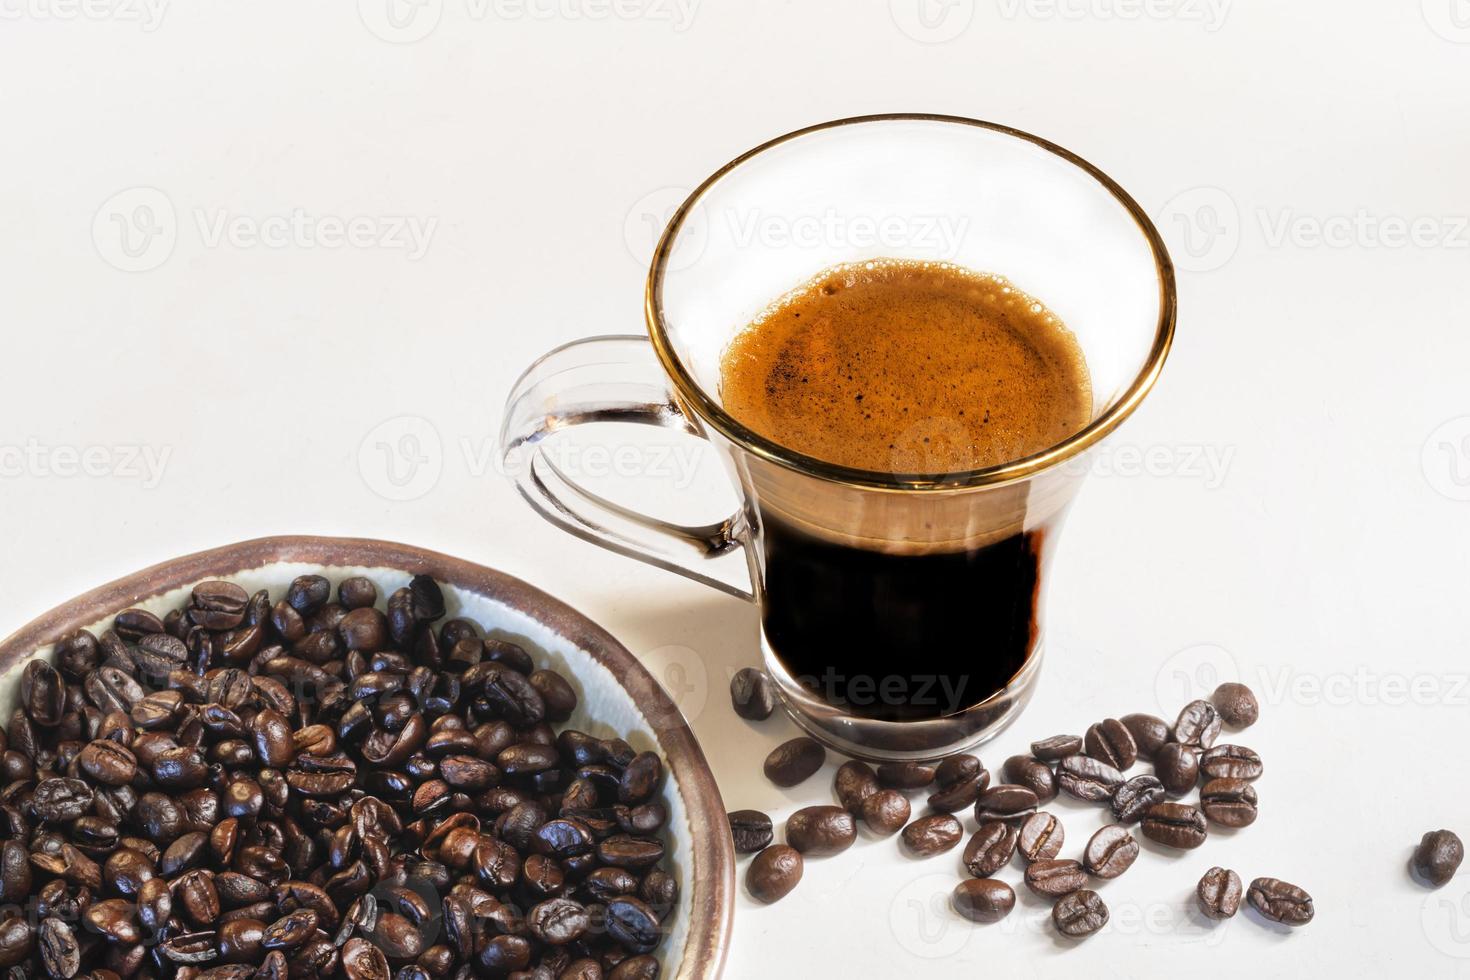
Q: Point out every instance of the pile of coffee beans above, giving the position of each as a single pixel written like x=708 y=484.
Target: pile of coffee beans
x=1092 y=767
x=316 y=788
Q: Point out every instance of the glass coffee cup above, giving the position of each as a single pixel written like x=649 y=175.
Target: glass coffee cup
x=902 y=613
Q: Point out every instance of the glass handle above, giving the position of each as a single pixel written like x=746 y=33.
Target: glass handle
x=611 y=379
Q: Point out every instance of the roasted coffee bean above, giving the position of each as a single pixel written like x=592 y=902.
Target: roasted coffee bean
x=1032 y=773
x=1041 y=837
x=821 y=830
x=1110 y=852
x=931 y=835
x=1079 y=914
x=1218 y=893
x=1057 y=748
x=1005 y=801
x=60 y=953
x=983 y=899
x=559 y=921
x=1229 y=802
x=633 y=924
x=624 y=851
x=361 y=960
x=957 y=769
x=1055 y=877
x=752 y=831
x=15 y=872
x=1085 y=778
x=1110 y=741
x=61 y=800
x=1175 y=825
x=1280 y=901
x=556 y=694
x=632 y=968
x=1132 y=799
x=1149 y=733
x=906 y=775
x=1198 y=725
x=794 y=762
x=108 y=763
x=961 y=795
x=855 y=782
x=42 y=693
x=641 y=779
x=1231 y=762
x=774 y=873
x=752 y=694
x=114 y=919
x=886 y=811
x=1236 y=704
x=990 y=849
x=1177 y=767
x=1438 y=857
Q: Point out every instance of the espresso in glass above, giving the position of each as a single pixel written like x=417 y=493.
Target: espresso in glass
x=912 y=368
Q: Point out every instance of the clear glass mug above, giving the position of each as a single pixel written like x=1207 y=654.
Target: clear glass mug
x=901 y=612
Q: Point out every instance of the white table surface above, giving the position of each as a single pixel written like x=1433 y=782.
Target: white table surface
x=1303 y=520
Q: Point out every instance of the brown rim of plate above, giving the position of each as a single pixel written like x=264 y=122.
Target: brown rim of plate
x=712 y=899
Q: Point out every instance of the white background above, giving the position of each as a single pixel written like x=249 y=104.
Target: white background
x=1302 y=522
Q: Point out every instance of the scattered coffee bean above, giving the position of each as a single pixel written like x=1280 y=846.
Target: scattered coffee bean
x=855 y=782
x=1135 y=796
x=1110 y=741
x=1032 y=773
x=1230 y=762
x=906 y=775
x=1149 y=733
x=1229 y=802
x=774 y=873
x=957 y=769
x=886 y=811
x=752 y=831
x=1177 y=767
x=1110 y=852
x=1175 y=825
x=933 y=834
x=1198 y=725
x=1056 y=748
x=1055 y=877
x=821 y=830
x=1005 y=801
x=795 y=761
x=1236 y=704
x=1438 y=857
x=752 y=694
x=983 y=899
x=1041 y=837
x=1085 y=778
x=1079 y=914
x=1280 y=901
x=961 y=795
x=990 y=849
x=1219 y=893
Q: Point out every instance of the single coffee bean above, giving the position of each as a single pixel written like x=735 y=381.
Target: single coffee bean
x=795 y=761
x=1177 y=766
x=1175 y=825
x=1149 y=733
x=886 y=811
x=1230 y=762
x=821 y=830
x=752 y=831
x=855 y=782
x=633 y=924
x=1198 y=725
x=1032 y=773
x=60 y=953
x=991 y=848
x=983 y=899
x=1110 y=741
x=932 y=835
x=1134 y=797
x=1236 y=704
x=1280 y=901
x=108 y=763
x=752 y=694
x=961 y=795
x=774 y=873
x=1229 y=802
x=1055 y=877
x=1057 y=748
x=957 y=769
x=1079 y=914
x=559 y=921
x=906 y=775
x=1088 y=779
x=1219 y=893
x=1438 y=857
x=1006 y=801
x=1041 y=837
x=1110 y=852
